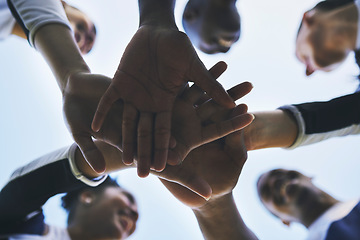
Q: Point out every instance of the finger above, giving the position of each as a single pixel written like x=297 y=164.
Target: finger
x=218 y=69
x=172 y=142
x=239 y=110
x=129 y=129
x=240 y=90
x=162 y=137
x=145 y=136
x=176 y=155
x=216 y=72
x=109 y=97
x=218 y=130
x=202 y=78
x=91 y=153
x=206 y=110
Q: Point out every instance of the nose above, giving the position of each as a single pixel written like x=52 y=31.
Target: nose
x=309 y=71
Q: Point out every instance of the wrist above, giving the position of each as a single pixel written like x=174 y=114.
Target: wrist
x=157 y=13
x=213 y=205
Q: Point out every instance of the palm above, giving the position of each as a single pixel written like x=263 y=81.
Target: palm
x=195 y=125
x=154 y=69
x=216 y=165
x=219 y=167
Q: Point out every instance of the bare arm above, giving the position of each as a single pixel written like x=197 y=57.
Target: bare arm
x=271 y=129
x=57 y=45
x=220 y=219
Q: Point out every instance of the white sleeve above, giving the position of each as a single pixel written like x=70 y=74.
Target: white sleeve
x=67 y=154
x=33 y=14
x=7 y=21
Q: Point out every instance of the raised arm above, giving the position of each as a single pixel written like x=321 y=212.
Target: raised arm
x=220 y=219
x=219 y=163
x=48 y=30
x=154 y=69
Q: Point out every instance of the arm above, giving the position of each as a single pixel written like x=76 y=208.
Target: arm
x=219 y=163
x=275 y=128
x=31 y=186
x=155 y=67
x=297 y=125
x=220 y=219
x=48 y=30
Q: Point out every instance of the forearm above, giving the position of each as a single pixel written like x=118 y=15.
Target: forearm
x=271 y=129
x=47 y=28
x=220 y=219
x=57 y=45
x=26 y=192
x=318 y=121
x=32 y=185
x=157 y=13
x=112 y=156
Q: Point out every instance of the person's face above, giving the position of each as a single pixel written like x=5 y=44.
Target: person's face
x=84 y=28
x=212 y=26
x=285 y=192
x=316 y=45
x=114 y=214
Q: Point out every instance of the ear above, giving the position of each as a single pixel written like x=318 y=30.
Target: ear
x=309 y=17
x=287 y=223
x=86 y=198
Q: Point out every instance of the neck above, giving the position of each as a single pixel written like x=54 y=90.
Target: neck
x=78 y=233
x=317 y=207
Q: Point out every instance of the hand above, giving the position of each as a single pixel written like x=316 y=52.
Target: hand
x=80 y=98
x=197 y=121
x=217 y=164
x=155 y=67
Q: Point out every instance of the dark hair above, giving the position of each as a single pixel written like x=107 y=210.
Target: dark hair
x=70 y=199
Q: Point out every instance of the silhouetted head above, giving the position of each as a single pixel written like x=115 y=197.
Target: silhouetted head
x=213 y=26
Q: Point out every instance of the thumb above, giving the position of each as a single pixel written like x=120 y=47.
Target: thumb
x=183 y=194
x=91 y=153
x=109 y=97
x=188 y=180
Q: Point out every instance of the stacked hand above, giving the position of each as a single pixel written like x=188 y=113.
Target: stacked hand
x=154 y=70
x=218 y=163
x=192 y=125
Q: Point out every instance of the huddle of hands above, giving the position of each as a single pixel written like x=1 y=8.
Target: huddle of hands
x=187 y=137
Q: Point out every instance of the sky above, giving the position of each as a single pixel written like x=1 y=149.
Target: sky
x=32 y=122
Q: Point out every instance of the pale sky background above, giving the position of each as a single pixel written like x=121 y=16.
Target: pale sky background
x=32 y=123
